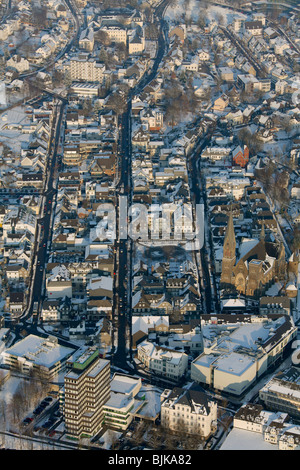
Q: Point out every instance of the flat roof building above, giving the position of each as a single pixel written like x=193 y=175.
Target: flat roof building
x=86 y=390
x=34 y=354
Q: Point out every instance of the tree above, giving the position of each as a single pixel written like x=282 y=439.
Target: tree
x=102 y=37
x=117 y=102
x=39 y=16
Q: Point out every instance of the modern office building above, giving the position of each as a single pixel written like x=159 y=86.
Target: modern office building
x=86 y=390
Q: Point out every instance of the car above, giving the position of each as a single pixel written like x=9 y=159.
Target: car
x=48 y=399
x=27 y=420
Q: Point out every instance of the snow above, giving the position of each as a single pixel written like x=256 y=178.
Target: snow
x=152 y=401
x=239 y=439
x=191 y=9
x=2 y=95
x=108 y=438
x=40 y=351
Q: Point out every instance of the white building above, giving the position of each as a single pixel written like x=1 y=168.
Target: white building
x=44 y=356
x=188 y=410
x=83 y=68
x=282 y=392
x=122 y=405
x=237 y=353
x=162 y=361
x=273 y=426
x=18 y=63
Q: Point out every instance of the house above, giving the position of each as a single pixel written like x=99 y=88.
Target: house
x=274 y=304
x=86 y=40
x=254 y=27
x=221 y=103
x=295 y=191
x=51 y=310
x=16 y=302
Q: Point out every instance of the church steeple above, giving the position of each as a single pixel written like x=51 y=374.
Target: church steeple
x=229 y=259
x=229 y=240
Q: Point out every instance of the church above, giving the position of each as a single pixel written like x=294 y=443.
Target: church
x=254 y=267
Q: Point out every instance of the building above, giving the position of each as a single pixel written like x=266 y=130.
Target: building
x=44 y=357
x=282 y=392
x=188 y=410
x=238 y=349
x=240 y=156
x=274 y=427
x=122 y=405
x=86 y=390
x=252 y=268
x=252 y=417
x=84 y=68
x=275 y=304
x=163 y=362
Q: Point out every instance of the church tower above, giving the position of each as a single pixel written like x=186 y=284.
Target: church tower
x=229 y=258
x=281 y=263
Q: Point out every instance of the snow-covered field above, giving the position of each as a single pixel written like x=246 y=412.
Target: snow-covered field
x=192 y=8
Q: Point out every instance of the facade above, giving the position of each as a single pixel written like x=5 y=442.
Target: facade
x=274 y=427
x=86 y=390
x=256 y=267
x=84 y=68
x=282 y=392
x=252 y=417
x=188 y=410
x=122 y=405
x=163 y=362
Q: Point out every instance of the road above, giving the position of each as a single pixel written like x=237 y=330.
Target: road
x=44 y=229
x=122 y=301
x=261 y=73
